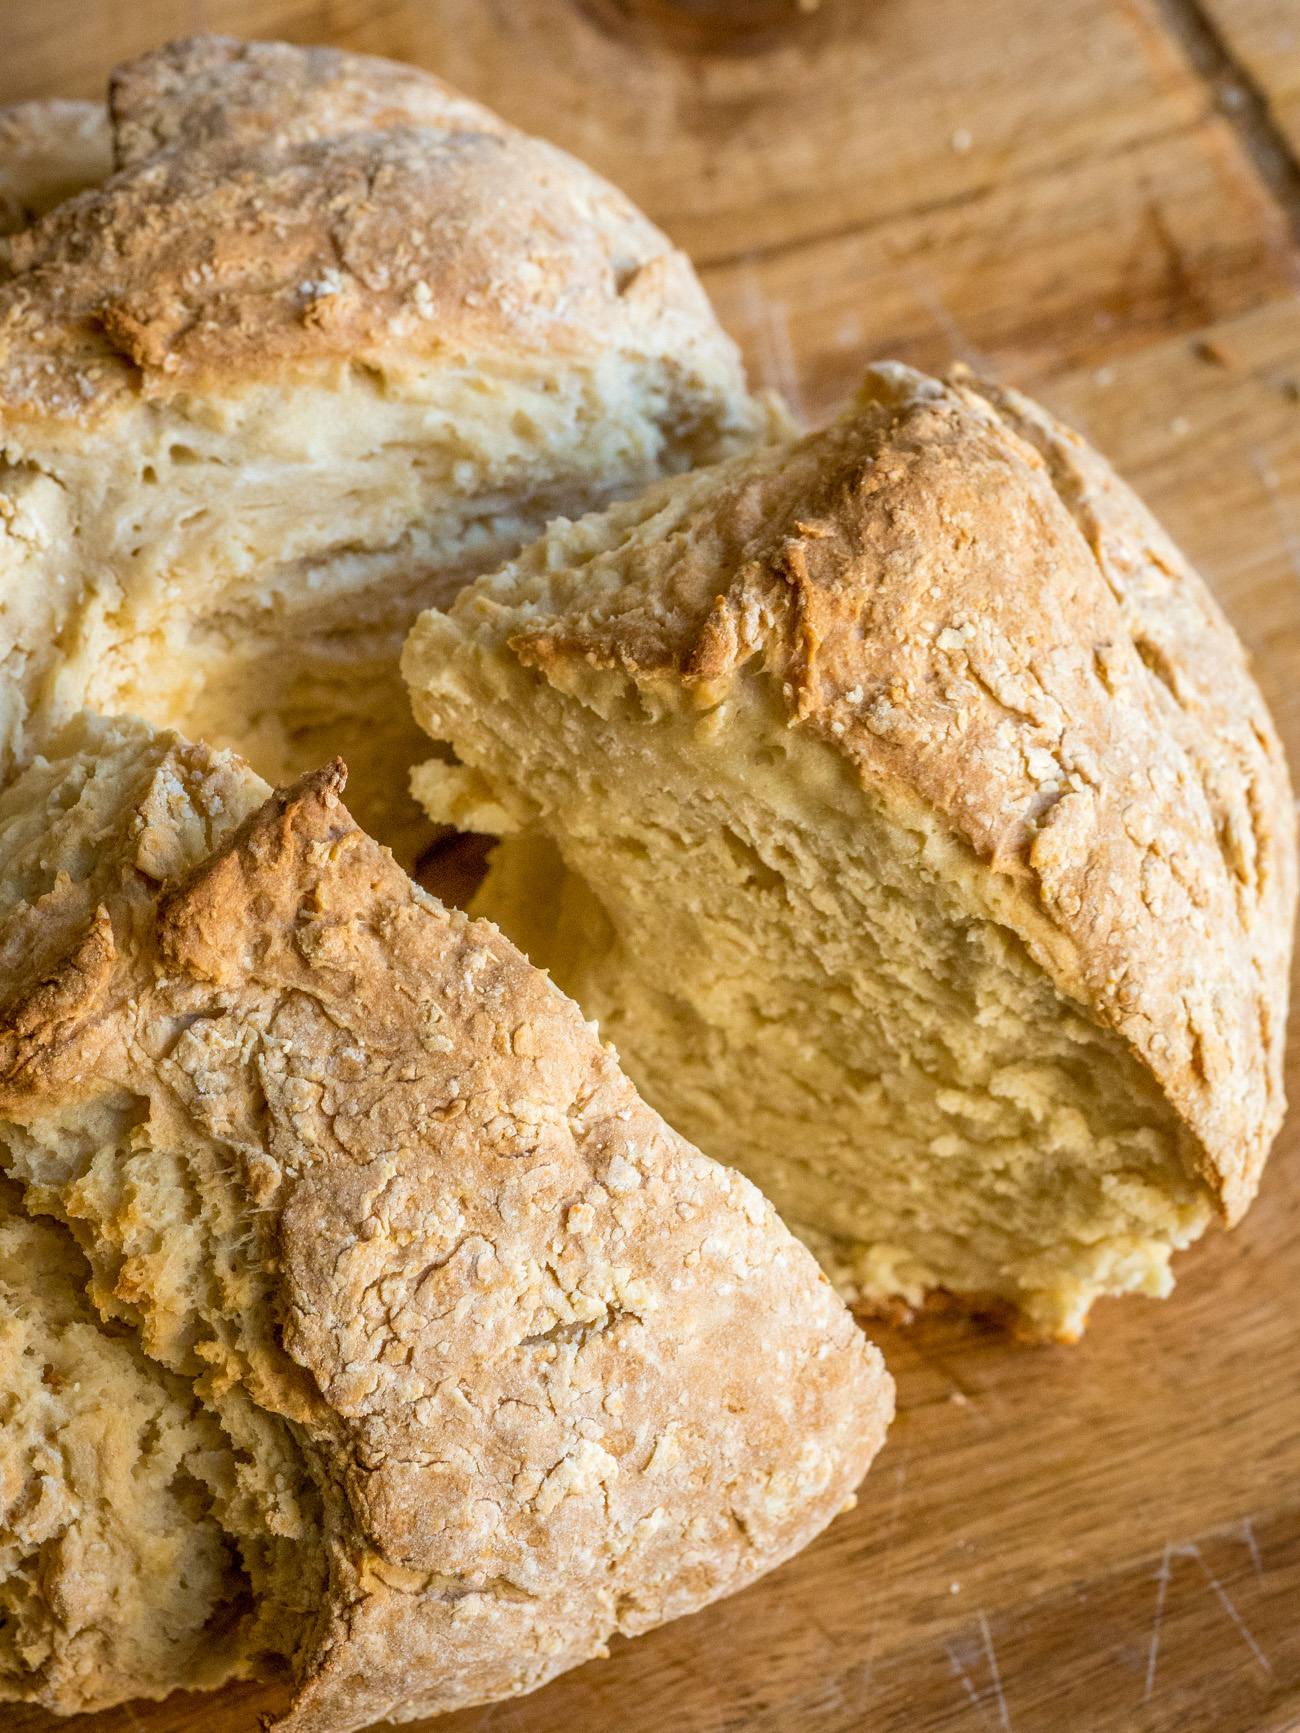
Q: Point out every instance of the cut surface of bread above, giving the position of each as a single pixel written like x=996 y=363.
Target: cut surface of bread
x=49 y=151
x=359 y=1324
x=331 y=340
x=901 y=805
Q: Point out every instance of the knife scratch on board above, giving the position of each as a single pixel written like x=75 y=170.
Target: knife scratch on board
x=927 y=295
x=954 y=1661
x=993 y=1668
x=1248 y=1535
x=1189 y=1549
x=887 y=1544
x=770 y=323
x=979 y=1699
x=1282 y=514
x=1193 y=1551
x=1162 y=1579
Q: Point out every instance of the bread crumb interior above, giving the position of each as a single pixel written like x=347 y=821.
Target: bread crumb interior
x=244 y=569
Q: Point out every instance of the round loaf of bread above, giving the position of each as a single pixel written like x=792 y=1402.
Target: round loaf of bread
x=359 y=1324
x=330 y=341
x=930 y=852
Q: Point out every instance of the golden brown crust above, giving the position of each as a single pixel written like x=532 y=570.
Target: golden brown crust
x=218 y=90
x=570 y=1376
x=45 y=1014
x=254 y=882
x=1002 y=630
x=286 y=210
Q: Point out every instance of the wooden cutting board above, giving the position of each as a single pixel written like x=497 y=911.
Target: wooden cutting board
x=1097 y=199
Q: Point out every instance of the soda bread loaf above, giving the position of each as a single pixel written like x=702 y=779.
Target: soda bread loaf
x=48 y=152
x=331 y=340
x=902 y=806
x=359 y=1324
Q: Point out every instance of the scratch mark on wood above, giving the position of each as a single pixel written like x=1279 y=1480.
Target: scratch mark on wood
x=886 y=1550
x=1281 y=509
x=980 y=1699
x=891 y=1531
x=900 y=1480
x=929 y=297
x=1248 y=1534
x=770 y=324
x=958 y=1671
x=830 y=1698
x=1193 y=1551
x=993 y=1668
x=1162 y=1579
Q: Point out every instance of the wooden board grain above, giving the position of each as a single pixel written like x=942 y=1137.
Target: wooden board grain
x=1012 y=280
x=1104 y=1539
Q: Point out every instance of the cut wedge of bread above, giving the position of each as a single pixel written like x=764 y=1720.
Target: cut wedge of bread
x=359 y=1324
x=900 y=803
x=332 y=340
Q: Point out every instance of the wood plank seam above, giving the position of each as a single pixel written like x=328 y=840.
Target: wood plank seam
x=1240 y=98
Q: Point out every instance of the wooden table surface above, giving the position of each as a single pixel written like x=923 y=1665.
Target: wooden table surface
x=1099 y=200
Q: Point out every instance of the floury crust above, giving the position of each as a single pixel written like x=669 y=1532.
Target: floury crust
x=359 y=1324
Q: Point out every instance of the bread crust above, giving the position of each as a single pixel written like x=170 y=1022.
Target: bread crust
x=965 y=601
x=280 y=211
x=560 y=1374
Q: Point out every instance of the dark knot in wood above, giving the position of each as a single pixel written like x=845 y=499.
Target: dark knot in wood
x=715 y=26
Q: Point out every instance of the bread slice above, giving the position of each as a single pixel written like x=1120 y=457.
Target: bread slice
x=358 y=1321
x=930 y=853
x=50 y=151
x=332 y=339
